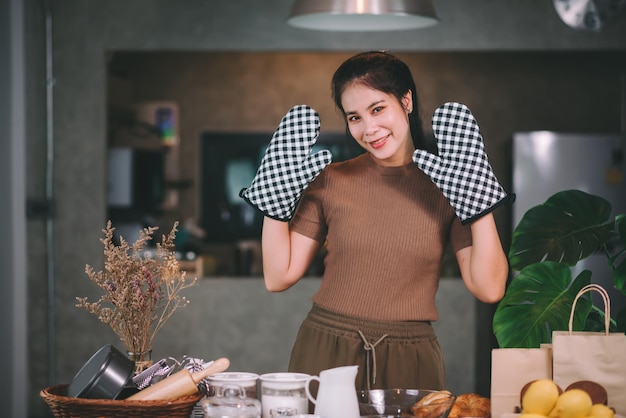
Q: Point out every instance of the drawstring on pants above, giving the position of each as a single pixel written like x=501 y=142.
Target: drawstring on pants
x=330 y=339
x=369 y=347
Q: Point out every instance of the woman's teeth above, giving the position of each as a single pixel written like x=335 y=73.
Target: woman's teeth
x=379 y=142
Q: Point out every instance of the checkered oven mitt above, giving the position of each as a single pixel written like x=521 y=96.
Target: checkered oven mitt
x=461 y=170
x=288 y=166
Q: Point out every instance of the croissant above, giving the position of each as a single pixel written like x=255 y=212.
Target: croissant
x=432 y=405
x=471 y=405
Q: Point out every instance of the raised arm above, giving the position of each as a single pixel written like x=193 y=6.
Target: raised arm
x=286 y=255
x=462 y=172
x=285 y=171
x=484 y=266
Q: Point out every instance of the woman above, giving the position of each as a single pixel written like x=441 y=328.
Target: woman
x=385 y=218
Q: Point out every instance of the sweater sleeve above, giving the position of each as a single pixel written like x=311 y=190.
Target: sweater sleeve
x=308 y=219
x=460 y=235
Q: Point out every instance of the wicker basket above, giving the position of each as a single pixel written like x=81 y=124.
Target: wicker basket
x=66 y=407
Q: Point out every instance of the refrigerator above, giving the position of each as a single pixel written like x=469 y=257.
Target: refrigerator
x=546 y=162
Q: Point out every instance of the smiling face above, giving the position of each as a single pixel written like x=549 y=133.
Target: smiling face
x=379 y=123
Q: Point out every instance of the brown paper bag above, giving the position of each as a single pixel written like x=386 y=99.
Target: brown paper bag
x=511 y=369
x=595 y=356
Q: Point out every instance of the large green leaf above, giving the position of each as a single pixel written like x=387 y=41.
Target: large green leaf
x=620 y=319
x=538 y=301
x=618 y=260
x=568 y=227
x=595 y=321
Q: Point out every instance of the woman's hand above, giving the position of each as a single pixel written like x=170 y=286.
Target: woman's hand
x=461 y=170
x=287 y=166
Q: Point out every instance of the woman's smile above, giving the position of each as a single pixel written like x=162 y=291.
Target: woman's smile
x=379 y=143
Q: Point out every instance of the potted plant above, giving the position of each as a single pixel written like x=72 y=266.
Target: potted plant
x=550 y=239
x=141 y=290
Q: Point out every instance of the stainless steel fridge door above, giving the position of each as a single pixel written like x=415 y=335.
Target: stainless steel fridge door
x=545 y=163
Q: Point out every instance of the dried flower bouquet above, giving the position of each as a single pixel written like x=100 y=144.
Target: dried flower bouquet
x=141 y=291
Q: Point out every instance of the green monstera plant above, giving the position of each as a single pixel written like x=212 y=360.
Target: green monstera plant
x=550 y=239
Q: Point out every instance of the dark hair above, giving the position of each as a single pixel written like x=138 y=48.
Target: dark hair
x=383 y=72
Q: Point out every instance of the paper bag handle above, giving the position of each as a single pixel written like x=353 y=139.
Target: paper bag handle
x=607 y=305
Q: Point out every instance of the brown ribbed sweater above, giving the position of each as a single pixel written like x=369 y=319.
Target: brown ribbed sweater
x=386 y=230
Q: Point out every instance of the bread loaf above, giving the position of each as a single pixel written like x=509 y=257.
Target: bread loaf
x=471 y=405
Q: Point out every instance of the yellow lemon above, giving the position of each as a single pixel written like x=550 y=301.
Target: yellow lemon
x=540 y=397
x=573 y=403
x=601 y=411
x=528 y=415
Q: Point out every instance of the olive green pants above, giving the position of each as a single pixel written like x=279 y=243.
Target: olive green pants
x=390 y=355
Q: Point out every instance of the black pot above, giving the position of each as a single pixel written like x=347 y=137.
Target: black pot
x=103 y=376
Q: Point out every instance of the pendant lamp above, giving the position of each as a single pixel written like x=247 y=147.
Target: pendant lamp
x=362 y=15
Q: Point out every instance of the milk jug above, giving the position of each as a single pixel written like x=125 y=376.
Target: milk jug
x=336 y=396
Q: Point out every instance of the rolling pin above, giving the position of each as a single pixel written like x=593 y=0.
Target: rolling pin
x=182 y=383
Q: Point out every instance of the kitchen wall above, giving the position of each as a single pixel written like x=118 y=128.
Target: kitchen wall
x=250 y=92
x=86 y=34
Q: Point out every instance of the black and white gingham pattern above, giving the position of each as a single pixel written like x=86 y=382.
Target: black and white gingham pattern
x=287 y=167
x=461 y=171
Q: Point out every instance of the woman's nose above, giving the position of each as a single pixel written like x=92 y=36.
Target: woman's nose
x=370 y=126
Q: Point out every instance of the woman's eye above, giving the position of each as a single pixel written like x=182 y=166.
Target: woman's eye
x=377 y=109
x=353 y=118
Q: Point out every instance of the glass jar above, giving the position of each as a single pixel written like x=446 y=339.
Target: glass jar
x=232 y=403
x=284 y=394
x=248 y=381
x=142 y=360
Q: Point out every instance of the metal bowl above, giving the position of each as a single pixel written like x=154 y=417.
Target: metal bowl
x=103 y=376
x=398 y=403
